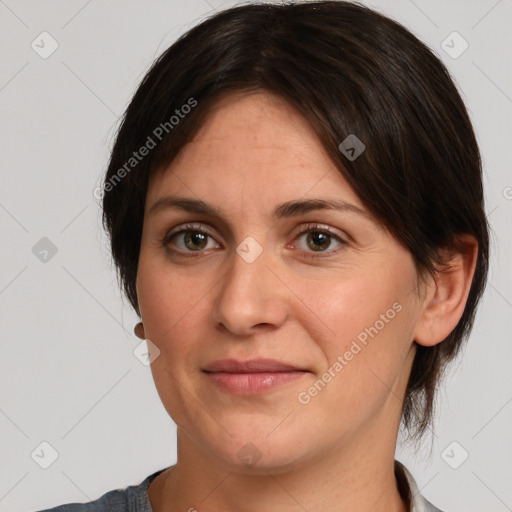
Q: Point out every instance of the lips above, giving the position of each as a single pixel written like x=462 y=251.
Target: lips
x=251 y=366
x=252 y=377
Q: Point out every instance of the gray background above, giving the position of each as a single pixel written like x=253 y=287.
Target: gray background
x=67 y=372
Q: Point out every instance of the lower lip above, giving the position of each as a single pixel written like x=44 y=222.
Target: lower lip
x=252 y=383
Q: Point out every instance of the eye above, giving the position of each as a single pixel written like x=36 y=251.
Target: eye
x=195 y=239
x=189 y=239
x=319 y=239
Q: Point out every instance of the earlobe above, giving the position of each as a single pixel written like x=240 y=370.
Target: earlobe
x=448 y=292
x=139 y=331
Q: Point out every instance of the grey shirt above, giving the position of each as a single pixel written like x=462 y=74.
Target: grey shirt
x=135 y=498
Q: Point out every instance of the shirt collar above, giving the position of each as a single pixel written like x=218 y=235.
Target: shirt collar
x=408 y=489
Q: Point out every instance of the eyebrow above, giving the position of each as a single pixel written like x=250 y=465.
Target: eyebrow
x=287 y=209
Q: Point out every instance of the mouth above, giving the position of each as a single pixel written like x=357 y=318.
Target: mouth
x=251 y=377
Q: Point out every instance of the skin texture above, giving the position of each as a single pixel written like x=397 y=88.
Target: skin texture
x=198 y=305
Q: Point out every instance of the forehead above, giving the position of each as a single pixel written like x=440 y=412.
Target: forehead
x=256 y=142
x=257 y=112
x=245 y=129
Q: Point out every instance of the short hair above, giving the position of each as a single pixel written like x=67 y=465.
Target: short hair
x=349 y=70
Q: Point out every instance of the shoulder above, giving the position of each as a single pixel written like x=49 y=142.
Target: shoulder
x=112 y=501
x=129 y=499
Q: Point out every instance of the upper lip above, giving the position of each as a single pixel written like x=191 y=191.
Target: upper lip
x=250 y=366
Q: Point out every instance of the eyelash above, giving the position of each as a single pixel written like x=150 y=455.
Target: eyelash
x=310 y=228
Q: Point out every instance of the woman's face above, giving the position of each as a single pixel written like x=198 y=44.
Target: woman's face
x=327 y=291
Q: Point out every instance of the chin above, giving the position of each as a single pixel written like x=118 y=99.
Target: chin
x=254 y=454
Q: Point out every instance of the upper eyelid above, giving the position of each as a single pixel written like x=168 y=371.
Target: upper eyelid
x=201 y=226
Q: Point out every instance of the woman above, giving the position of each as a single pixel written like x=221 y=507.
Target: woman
x=295 y=208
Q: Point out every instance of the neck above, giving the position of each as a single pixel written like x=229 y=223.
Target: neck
x=357 y=477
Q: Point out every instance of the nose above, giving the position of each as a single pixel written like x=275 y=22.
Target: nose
x=250 y=297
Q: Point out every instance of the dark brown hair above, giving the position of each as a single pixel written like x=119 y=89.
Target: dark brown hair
x=348 y=70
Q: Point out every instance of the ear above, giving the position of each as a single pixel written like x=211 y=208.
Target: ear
x=447 y=292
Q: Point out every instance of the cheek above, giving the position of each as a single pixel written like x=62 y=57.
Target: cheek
x=348 y=308
x=366 y=339
x=170 y=306
x=175 y=309
x=165 y=297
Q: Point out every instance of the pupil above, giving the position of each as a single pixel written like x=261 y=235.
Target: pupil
x=198 y=240
x=319 y=237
